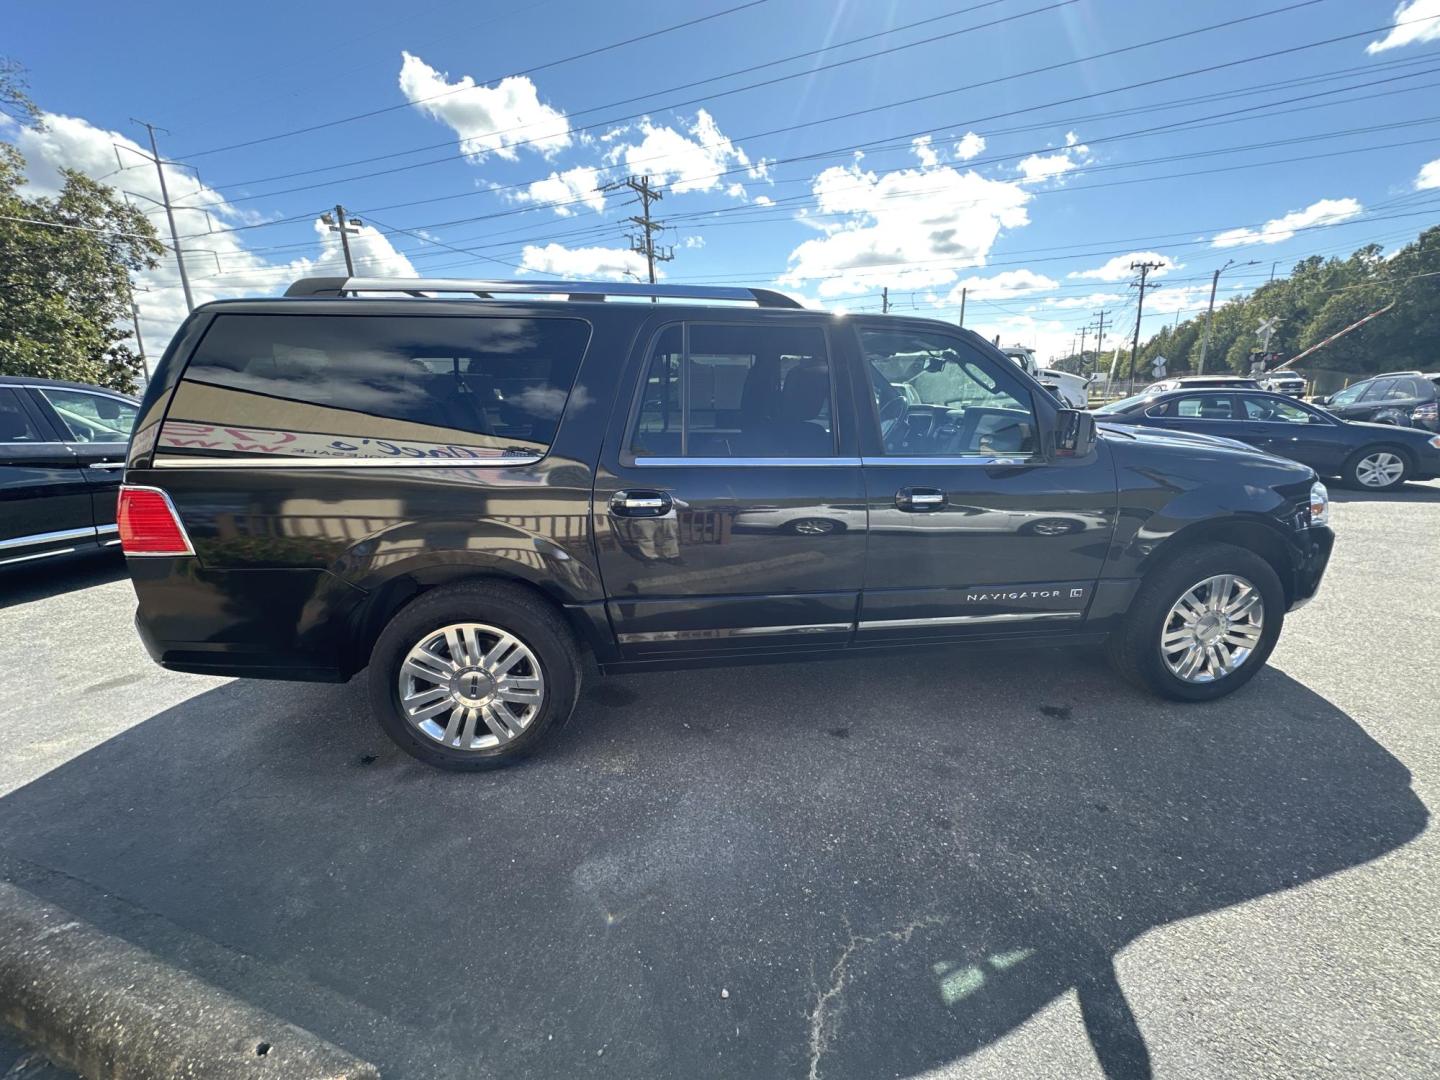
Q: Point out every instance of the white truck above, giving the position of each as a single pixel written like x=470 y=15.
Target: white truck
x=1073 y=390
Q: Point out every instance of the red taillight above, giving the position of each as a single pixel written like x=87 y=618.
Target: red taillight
x=148 y=523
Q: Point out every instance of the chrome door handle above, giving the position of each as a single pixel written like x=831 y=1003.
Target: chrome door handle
x=919 y=500
x=106 y=466
x=640 y=503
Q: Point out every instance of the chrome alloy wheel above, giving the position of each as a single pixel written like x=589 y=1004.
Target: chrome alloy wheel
x=1212 y=629
x=470 y=686
x=1380 y=469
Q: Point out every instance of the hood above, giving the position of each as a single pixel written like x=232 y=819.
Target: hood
x=1171 y=438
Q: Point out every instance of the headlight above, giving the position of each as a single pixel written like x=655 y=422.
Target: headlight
x=1319 y=504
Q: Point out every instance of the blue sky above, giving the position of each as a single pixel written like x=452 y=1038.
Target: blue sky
x=1030 y=184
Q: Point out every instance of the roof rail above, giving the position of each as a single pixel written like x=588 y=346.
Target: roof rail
x=575 y=290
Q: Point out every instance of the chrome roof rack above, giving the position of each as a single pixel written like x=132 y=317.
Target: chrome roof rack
x=575 y=290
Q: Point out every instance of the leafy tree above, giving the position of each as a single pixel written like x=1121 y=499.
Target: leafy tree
x=65 y=264
x=14 y=101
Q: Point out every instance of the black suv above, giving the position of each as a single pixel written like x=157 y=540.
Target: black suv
x=1407 y=398
x=465 y=486
x=62 y=447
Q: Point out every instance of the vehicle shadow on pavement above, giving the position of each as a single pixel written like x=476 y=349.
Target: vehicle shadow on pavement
x=25 y=584
x=840 y=870
x=1405 y=493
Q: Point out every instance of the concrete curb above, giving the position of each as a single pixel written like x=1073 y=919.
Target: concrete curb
x=107 y=1009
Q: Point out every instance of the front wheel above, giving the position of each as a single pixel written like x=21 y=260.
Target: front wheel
x=473 y=676
x=1202 y=625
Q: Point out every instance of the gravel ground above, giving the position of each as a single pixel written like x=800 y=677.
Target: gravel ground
x=948 y=864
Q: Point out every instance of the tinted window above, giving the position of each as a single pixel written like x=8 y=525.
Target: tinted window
x=736 y=390
x=1404 y=390
x=1275 y=410
x=92 y=417
x=377 y=386
x=1350 y=394
x=15 y=424
x=1377 y=390
x=937 y=397
x=1206 y=407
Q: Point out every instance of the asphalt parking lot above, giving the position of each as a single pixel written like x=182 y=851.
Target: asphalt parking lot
x=947 y=864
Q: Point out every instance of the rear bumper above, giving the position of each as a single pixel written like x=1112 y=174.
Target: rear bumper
x=1312 y=554
x=259 y=624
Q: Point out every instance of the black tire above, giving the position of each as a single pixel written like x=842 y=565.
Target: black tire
x=510 y=608
x=1134 y=650
x=1350 y=469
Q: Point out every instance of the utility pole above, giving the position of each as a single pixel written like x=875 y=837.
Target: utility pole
x=1083 y=331
x=337 y=222
x=885 y=300
x=169 y=212
x=1144 y=268
x=1100 y=335
x=139 y=344
x=963 y=291
x=643 y=242
x=1210 y=311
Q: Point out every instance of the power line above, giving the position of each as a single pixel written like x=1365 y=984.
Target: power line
x=906 y=101
x=514 y=74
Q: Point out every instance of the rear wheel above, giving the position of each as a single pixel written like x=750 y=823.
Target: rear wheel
x=1201 y=625
x=1376 y=468
x=474 y=676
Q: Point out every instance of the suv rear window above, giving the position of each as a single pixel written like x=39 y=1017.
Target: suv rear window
x=375 y=386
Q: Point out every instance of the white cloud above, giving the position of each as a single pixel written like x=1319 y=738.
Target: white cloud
x=969 y=146
x=220 y=264
x=1038 y=167
x=580 y=186
x=1413 y=12
x=1118 y=268
x=693 y=242
x=907 y=229
x=1009 y=283
x=1429 y=176
x=591 y=263
x=1324 y=212
x=1092 y=300
x=687 y=162
x=488 y=119
x=764 y=200
x=925 y=151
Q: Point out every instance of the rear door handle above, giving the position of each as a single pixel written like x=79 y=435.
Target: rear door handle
x=640 y=503
x=919 y=500
x=106 y=465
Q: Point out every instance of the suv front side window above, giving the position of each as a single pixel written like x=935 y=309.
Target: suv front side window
x=936 y=397
x=1351 y=394
x=736 y=390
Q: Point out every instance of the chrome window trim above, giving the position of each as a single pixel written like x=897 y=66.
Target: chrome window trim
x=42 y=442
x=106 y=529
x=46 y=537
x=182 y=462
x=179 y=524
x=733 y=632
x=748 y=462
x=961 y=620
x=958 y=459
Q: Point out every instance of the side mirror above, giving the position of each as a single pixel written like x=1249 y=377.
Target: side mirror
x=1320 y=400
x=1074 y=433
x=107 y=408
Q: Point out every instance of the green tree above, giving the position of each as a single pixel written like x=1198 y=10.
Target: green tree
x=14 y=100
x=65 y=264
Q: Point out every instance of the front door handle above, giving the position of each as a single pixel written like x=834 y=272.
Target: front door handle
x=640 y=503
x=106 y=466
x=919 y=500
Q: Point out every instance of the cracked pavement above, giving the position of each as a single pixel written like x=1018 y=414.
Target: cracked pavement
x=943 y=864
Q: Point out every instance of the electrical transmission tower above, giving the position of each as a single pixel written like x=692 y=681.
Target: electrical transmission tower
x=643 y=241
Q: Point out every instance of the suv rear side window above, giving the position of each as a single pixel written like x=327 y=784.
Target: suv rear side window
x=723 y=390
x=376 y=386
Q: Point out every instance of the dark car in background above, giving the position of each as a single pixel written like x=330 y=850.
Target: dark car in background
x=62 y=452
x=465 y=486
x=1406 y=398
x=1377 y=457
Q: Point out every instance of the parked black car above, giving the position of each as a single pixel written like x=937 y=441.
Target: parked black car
x=62 y=448
x=1373 y=456
x=464 y=493
x=1406 y=398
